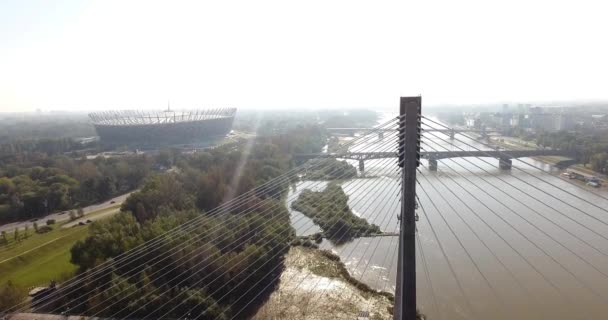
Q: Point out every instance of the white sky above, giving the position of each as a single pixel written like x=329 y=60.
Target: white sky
x=76 y=55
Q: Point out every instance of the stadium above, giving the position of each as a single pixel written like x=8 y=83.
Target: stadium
x=158 y=128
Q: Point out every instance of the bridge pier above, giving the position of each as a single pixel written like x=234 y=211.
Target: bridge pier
x=505 y=163
x=380 y=135
x=432 y=164
x=452 y=134
x=361 y=165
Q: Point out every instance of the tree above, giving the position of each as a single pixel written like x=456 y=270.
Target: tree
x=140 y=212
x=50 y=222
x=10 y=296
x=4 y=237
x=17 y=234
x=36 y=226
x=72 y=215
x=26 y=231
x=80 y=212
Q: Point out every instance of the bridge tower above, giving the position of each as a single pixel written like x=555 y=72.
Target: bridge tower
x=361 y=165
x=452 y=133
x=409 y=152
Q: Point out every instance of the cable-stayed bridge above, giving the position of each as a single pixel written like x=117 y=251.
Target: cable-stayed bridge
x=475 y=242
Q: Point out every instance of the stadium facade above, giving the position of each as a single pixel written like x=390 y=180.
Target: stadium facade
x=158 y=128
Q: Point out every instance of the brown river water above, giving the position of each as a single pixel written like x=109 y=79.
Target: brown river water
x=516 y=247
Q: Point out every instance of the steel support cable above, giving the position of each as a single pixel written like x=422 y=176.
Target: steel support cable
x=203 y=279
x=275 y=279
x=490 y=286
x=216 y=278
x=383 y=264
x=349 y=254
x=341 y=228
x=538 y=168
x=192 y=257
x=395 y=200
x=541 y=202
x=428 y=276
x=306 y=276
x=536 y=227
x=445 y=256
x=401 y=137
x=236 y=239
x=517 y=252
x=492 y=289
x=263 y=290
x=278 y=277
x=363 y=256
x=523 y=235
x=189 y=225
x=504 y=266
x=543 y=191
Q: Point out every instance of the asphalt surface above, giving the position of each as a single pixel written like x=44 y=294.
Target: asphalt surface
x=60 y=217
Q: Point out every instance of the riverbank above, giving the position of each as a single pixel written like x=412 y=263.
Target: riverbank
x=511 y=142
x=314 y=286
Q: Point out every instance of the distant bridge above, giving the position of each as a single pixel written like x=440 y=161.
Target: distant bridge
x=504 y=157
x=380 y=131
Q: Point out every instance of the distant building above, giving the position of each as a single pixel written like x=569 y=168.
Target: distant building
x=472 y=121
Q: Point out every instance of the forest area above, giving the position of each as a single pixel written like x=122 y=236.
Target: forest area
x=172 y=199
x=44 y=169
x=45 y=183
x=590 y=148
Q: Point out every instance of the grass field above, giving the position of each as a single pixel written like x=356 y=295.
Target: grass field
x=37 y=259
x=40 y=258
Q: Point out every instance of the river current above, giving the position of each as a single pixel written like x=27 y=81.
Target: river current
x=518 y=244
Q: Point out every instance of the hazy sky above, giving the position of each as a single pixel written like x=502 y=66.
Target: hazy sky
x=76 y=55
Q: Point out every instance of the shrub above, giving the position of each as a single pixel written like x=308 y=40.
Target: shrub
x=50 y=222
x=44 y=229
x=10 y=296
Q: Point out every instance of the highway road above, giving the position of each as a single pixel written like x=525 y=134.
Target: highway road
x=60 y=217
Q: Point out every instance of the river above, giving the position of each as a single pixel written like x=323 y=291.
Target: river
x=520 y=248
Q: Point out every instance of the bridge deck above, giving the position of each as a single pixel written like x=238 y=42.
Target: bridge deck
x=438 y=154
x=349 y=130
